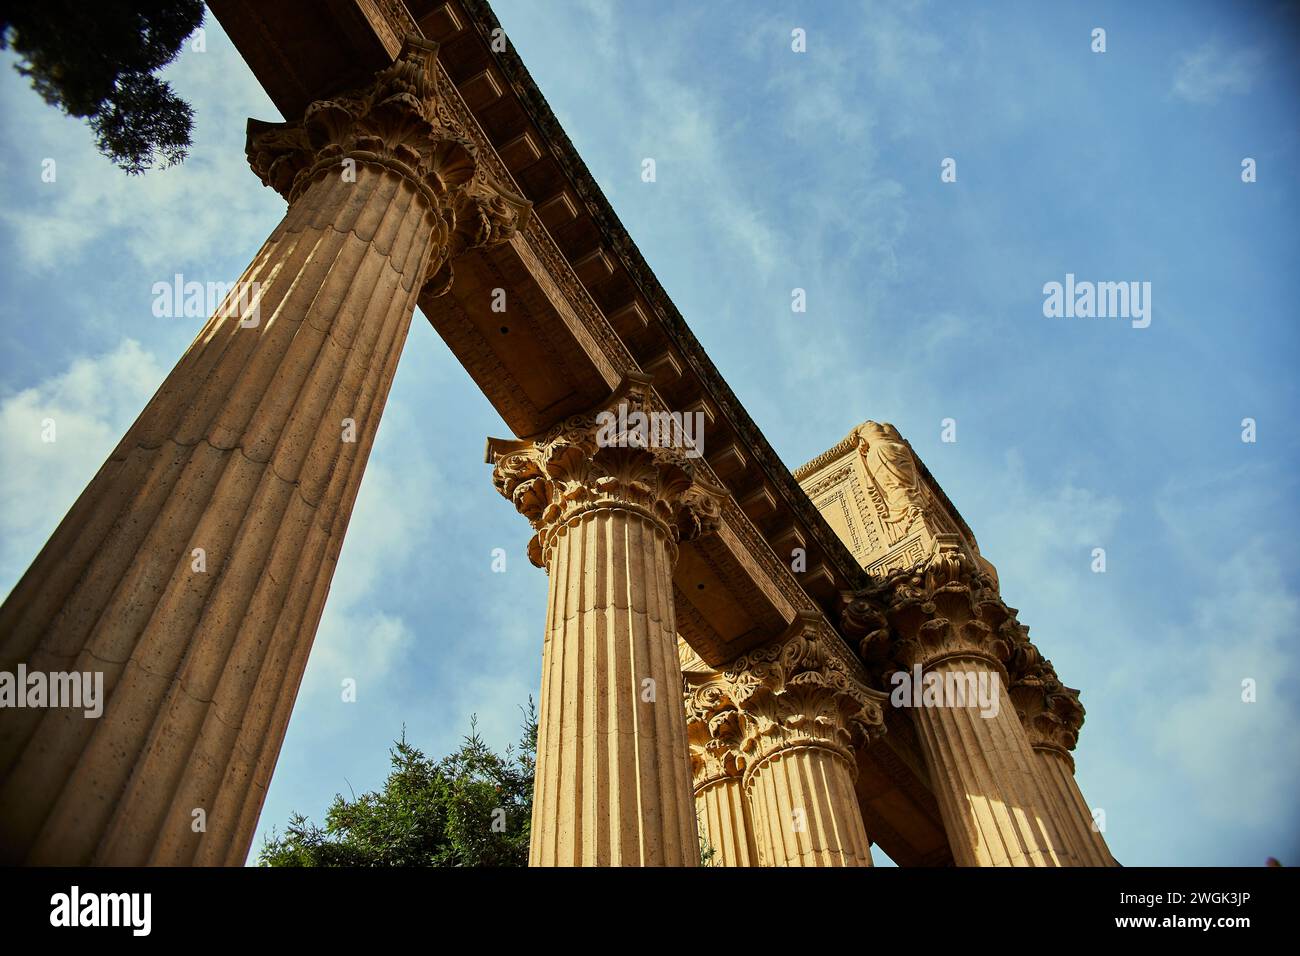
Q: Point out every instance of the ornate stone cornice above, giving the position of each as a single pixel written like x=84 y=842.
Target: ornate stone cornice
x=947 y=607
x=616 y=238
x=837 y=451
x=581 y=465
x=398 y=122
x=802 y=690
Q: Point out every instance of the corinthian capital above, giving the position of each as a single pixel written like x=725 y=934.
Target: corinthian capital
x=946 y=606
x=398 y=122
x=1051 y=712
x=713 y=730
x=587 y=464
x=802 y=690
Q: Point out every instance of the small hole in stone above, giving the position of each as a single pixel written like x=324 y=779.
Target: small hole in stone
x=700 y=586
x=504 y=329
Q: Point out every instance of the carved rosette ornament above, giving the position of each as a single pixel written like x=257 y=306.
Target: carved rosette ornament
x=398 y=123
x=798 y=692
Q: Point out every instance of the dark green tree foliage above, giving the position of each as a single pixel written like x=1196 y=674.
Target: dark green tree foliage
x=472 y=808
x=96 y=59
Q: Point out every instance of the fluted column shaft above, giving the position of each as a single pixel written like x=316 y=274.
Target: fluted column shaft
x=803 y=704
x=613 y=780
x=1070 y=810
x=725 y=821
x=241 y=453
x=193 y=569
x=714 y=734
x=1052 y=716
x=941 y=636
x=613 y=776
x=982 y=772
x=806 y=809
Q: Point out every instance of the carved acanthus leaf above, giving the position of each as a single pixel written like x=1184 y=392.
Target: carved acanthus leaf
x=947 y=606
x=582 y=464
x=800 y=691
x=1051 y=712
x=396 y=122
x=713 y=730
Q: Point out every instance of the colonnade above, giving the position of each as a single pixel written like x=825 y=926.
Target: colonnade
x=193 y=570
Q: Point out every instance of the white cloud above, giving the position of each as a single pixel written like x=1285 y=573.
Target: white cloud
x=357 y=644
x=359 y=636
x=1161 y=658
x=92 y=404
x=1242 y=758
x=1207 y=74
x=160 y=217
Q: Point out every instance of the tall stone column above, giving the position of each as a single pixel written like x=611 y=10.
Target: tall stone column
x=1052 y=716
x=613 y=776
x=946 y=622
x=714 y=731
x=193 y=569
x=802 y=706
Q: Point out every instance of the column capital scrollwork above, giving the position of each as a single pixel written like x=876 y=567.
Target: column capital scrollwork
x=713 y=730
x=942 y=608
x=800 y=691
x=1052 y=713
x=398 y=122
x=585 y=464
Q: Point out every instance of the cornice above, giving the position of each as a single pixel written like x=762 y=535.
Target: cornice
x=616 y=237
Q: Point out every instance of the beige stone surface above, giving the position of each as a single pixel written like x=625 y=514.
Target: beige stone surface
x=1052 y=715
x=242 y=453
x=252 y=450
x=803 y=706
x=613 y=779
x=947 y=618
x=715 y=734
x=982 y=771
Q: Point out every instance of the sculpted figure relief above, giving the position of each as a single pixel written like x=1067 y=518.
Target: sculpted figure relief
x=889 y=461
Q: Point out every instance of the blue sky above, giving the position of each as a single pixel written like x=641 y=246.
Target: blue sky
x=819 y=170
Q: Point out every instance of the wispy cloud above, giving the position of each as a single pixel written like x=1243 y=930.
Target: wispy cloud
x=361 y=637
x=91 y=403
x=160 y=218
x=1207 y=74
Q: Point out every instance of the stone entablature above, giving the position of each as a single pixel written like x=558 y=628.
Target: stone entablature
x=877 y=495
x=405 y=157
